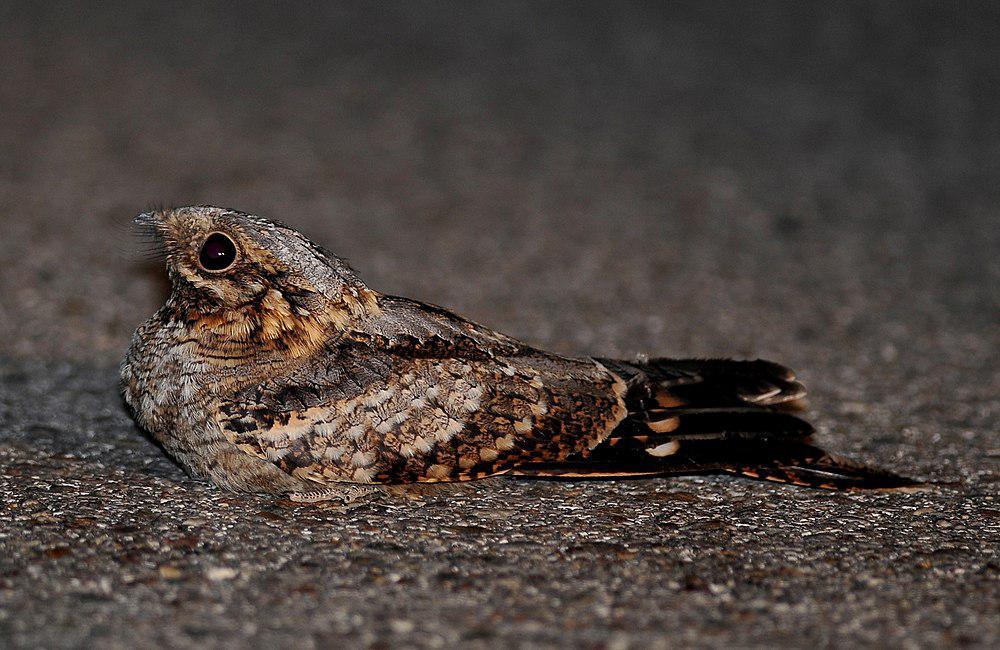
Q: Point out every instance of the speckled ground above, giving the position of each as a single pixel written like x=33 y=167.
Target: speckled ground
x=813 y=184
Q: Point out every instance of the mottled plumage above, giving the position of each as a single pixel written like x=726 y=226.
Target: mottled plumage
x=273 y=368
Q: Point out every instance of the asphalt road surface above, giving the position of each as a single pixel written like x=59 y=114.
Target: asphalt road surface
x=812 y=184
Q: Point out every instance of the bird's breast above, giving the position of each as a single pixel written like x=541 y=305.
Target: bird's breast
x=163 y=376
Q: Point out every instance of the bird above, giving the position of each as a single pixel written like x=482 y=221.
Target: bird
x=273 y=368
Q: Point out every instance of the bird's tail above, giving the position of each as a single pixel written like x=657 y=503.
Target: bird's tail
x=712 y=417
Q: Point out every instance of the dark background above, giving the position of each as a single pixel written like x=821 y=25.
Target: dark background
x=811 y=182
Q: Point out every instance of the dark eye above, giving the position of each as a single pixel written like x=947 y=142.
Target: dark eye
x=217 y=253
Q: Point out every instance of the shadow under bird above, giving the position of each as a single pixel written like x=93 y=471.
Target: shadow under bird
x=273 y=368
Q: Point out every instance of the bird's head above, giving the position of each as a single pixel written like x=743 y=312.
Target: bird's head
x=244 y=280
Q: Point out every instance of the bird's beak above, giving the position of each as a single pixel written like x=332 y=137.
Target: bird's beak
x=147 y=220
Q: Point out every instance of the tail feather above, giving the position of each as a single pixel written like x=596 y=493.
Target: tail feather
x=708 y=382
x=797 y=463
x=710 y=417
x=793 y=463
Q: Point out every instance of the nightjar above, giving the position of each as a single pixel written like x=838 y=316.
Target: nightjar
x=273 y=368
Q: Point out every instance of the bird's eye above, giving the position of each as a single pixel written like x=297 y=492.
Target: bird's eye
x=217 y=253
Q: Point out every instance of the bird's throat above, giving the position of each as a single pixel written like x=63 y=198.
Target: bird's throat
x=275 y=324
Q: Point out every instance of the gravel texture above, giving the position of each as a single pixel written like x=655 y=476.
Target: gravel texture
x=811 y=183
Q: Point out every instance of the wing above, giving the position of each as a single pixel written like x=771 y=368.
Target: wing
x=421 y=395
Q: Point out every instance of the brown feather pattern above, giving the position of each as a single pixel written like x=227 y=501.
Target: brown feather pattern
x=283 y=372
